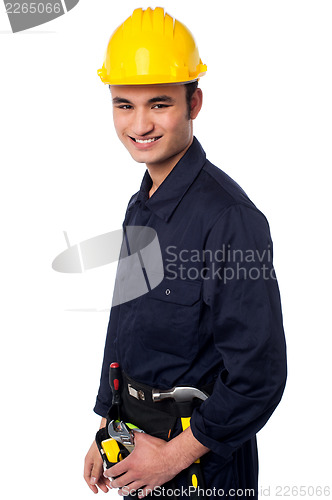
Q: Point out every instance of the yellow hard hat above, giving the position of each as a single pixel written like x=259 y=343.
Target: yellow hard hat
x=151 y=47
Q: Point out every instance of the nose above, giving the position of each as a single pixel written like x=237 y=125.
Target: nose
x=142 y=123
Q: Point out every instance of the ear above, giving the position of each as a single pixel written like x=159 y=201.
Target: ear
x=196 y=103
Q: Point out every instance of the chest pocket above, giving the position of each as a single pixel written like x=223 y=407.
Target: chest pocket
x=169 y=318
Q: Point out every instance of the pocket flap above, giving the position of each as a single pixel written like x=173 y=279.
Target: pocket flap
x=182 y=292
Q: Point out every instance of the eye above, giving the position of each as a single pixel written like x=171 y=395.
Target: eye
x=160 y=106
x=124 y=106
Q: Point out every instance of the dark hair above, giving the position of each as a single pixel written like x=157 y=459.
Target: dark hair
x=190 y=89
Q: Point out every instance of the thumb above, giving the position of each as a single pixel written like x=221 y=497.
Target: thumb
x=138 y=436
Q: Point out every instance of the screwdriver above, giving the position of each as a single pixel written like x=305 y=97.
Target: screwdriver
x=115 y=383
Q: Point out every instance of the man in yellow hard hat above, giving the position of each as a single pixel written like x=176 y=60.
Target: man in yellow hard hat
x=211 y=330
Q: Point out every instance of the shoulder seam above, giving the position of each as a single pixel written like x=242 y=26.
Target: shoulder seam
x=237 y=203
x=236 y=184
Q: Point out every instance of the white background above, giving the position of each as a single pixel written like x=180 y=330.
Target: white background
x=266 y=121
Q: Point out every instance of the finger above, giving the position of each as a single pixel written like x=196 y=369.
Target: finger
x=96 y=472
x=137 y=435
x=102 y=484
x=123 y=480
x=93 y=483
x=130 y=488
x=88 y=479
x=126 y=491
x=93 y=477
x=93 y=488
x=117 y=469
x=95 y=480
x=106 y=481
x=144 y=492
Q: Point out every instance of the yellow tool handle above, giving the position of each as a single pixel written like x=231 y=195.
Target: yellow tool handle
x=195 y=476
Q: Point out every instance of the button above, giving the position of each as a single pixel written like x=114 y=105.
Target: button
x=167 y=291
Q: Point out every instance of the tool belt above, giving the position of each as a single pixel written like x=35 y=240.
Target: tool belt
x=155 y=418
x=163 y=419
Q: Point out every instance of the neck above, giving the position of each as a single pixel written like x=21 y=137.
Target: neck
x=159 y=171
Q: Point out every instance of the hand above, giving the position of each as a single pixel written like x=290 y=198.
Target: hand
x=93 y=470
x=148 y=466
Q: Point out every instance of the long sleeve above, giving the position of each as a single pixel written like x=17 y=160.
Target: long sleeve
x=104 y=397
x=242 y=294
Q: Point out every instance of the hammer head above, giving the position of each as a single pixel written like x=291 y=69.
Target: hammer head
x=179 y=394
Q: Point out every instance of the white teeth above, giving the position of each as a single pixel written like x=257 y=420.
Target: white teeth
x=146 y=140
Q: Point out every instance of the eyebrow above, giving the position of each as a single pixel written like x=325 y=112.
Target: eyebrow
x=153 y=100
x=161 y=98
x=120 y=100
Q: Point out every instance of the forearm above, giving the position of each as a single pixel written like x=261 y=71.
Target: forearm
x=186 y=449
x=103 y=423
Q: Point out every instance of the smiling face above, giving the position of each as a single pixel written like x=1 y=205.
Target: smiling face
x=152 y=122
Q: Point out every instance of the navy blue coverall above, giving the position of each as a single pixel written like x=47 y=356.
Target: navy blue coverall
x=215 y=317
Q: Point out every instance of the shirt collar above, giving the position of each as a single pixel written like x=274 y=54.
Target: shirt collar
x=169 y=194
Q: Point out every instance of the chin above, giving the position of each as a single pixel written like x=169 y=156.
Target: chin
x=138 y=160
x=144 y=157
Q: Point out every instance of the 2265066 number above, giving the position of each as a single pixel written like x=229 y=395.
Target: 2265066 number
x=33 y=8
x=302 y=491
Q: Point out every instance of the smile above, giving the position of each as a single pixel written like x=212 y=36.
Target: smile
x=145 y=141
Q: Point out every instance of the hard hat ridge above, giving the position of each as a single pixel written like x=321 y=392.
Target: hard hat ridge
x=151 y=47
